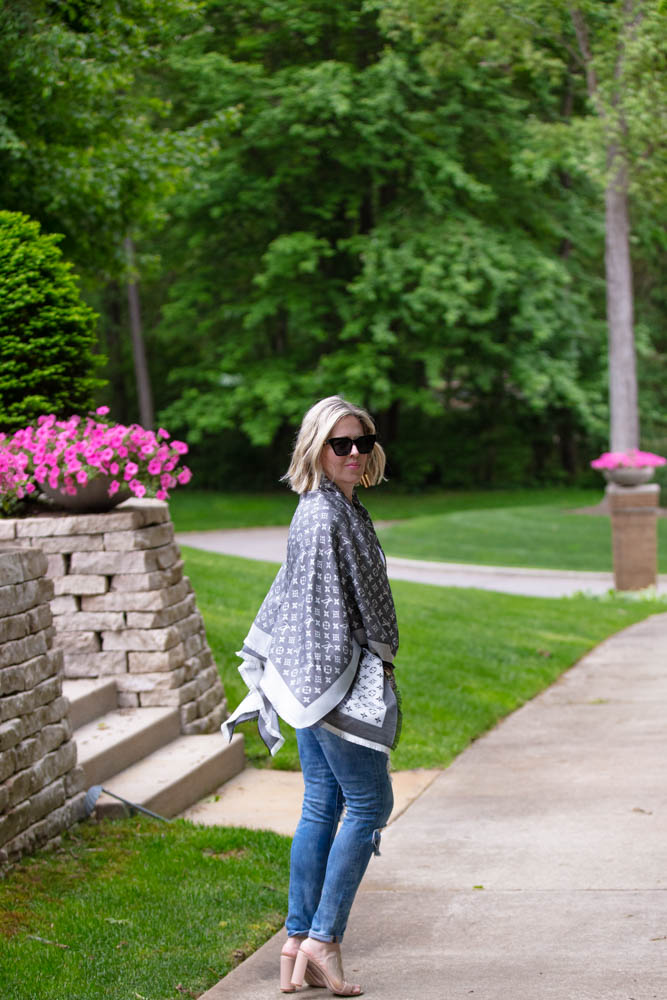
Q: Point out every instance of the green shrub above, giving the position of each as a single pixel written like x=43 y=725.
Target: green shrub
x=47 y=334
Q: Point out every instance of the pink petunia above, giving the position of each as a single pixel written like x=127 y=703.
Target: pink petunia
x=102 y=411
x=137 y=488
x=161 y=495
x=166 y=481
x=180 y=447
x=82 y=477
x=114 y=486
x=184 y=476
x=162 y=433
x=113 y=468
x=154 y=467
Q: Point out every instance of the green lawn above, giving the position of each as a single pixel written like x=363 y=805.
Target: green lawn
x=548 y=537
x=199 y=510
x=532 y=528
x=139 y=910
x=467 y=657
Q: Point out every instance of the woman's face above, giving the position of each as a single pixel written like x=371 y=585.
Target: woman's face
x=345 y=470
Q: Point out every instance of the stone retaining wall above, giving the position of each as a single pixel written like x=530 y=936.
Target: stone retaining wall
x=123 y=607
x=41 y=788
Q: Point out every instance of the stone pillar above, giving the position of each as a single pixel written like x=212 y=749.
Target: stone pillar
x=634 y=512
x=41 y=786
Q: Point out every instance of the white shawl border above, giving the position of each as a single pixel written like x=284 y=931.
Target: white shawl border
x=311 y=561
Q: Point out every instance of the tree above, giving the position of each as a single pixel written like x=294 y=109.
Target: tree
x=47 y=334
x=84 y=144
x=617 y=51
x=365 y=228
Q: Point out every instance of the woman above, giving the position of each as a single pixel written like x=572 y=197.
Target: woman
x=319 y=655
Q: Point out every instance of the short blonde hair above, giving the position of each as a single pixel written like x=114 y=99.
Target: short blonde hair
x=305 y=471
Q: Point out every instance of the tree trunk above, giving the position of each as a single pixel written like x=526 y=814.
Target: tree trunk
x=142 y=376
x=623 y=404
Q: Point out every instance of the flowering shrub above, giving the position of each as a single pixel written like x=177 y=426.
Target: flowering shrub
x=67 y=454
x=632 y=459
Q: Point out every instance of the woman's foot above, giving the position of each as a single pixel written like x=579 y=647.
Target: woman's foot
x=287 y=959
x=324 y=959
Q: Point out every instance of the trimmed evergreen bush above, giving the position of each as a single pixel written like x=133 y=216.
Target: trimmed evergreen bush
x=47 y=334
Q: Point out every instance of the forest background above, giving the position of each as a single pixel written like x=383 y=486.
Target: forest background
x=401 y=201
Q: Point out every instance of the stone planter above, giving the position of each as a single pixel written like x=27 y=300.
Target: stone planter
x=123 y=607
x=630 y=475
x=93 y=498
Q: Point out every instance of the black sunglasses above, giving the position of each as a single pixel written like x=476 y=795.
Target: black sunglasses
x=343 y=446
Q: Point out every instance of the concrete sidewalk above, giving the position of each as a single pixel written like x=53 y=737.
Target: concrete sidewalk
x=535 y=867
x=270 y=544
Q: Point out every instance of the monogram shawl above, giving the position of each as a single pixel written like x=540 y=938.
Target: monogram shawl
x=315 y=652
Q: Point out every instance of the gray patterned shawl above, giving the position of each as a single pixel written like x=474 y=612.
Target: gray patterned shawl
x=315 y=652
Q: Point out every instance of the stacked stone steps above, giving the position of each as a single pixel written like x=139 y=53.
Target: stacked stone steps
x=89 y=698
x=139 y=754
x=176 y=776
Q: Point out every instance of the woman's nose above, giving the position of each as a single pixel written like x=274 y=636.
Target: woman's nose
x=354 y=450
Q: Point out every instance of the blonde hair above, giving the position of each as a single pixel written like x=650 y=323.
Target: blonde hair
x=305 y=471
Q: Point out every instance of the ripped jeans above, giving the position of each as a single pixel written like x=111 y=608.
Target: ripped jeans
x=327 y=867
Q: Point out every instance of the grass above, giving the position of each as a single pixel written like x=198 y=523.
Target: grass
x=467 y=657
x=139 y=910
x=546 y=537
x=200 y=510
x=532 y=528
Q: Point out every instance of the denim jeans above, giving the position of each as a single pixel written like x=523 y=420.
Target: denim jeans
x=326 y=866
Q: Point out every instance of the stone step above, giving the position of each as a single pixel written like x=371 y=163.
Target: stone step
x=117 y=739
x=173 y=778
x=89 y=698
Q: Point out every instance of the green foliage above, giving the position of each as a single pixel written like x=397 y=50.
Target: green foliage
x=365 y=228
x=47 y=334
x=83 y=143
x=397 y=201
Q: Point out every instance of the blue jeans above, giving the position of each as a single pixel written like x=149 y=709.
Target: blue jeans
x=326 y=867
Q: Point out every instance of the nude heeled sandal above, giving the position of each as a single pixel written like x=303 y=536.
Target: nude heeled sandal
x=287 y=961
x=329 y=968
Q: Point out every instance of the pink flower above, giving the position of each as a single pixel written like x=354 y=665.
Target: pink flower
x=161 y=495
x=82 y=477
x=102 y=411
x=114 y=486
x=137 y=488
x=180 y=446
x=184 y=476
x=131 y=470
x=627 y=459
x=113 y=468
x=122 y=451
x=154 y=467
x=162 y=433
x=166 y=481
